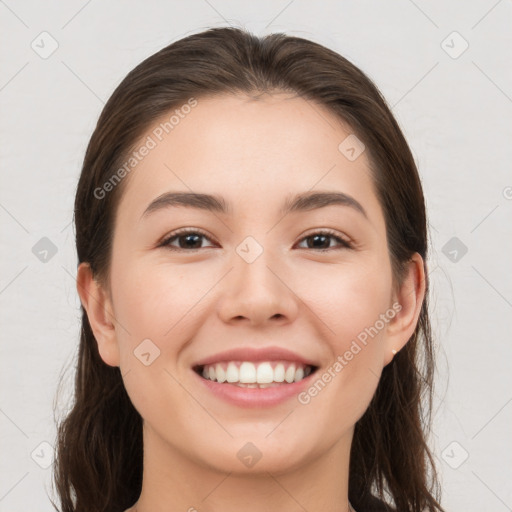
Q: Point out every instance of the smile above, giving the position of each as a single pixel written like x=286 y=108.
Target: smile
x=255 y=376
x=261 y=374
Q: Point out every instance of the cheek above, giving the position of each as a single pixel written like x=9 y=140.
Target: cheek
x=354 y=304
x=349 y=301
x=158 y=302
x=150 y=298
x=155 y=311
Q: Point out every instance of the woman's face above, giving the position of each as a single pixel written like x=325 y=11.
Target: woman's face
x=250 y=289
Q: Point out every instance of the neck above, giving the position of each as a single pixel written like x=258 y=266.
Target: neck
x=172 y=481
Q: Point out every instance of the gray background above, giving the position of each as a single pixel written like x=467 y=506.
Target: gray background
x=454 y=104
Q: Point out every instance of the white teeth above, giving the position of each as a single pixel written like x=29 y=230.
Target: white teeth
x=263 y=375
x=289 y=376
x=220 y=373
x=247 y=373
x=279 y=373
x=232 y=373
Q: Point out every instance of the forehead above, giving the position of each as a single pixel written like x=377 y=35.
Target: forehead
x=243 y=148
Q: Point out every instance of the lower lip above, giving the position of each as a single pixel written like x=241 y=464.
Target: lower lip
x=255 y=397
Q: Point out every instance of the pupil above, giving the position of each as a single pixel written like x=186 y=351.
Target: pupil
x=317 y=237
x=190 y=236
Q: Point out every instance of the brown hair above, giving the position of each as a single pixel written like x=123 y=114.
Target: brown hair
x=98 y=465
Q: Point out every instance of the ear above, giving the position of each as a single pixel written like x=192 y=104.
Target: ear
x=407 y=301
x=98 y=306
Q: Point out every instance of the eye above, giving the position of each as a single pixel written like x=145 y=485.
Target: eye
x=320 y=239
x=188 y=239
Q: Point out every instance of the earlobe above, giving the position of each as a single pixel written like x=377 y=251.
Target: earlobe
x=97 y=304
x=410 y=296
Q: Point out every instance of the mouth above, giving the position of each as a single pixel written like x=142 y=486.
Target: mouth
x=255 y=377
x=260 y=374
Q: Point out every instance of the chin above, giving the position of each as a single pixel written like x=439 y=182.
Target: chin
x=256 y=454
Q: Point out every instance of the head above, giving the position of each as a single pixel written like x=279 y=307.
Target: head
x=273 y=128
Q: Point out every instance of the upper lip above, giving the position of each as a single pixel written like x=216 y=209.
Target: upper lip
x=255 y=354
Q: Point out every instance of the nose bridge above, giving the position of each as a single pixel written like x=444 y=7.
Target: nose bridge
x=254 y=289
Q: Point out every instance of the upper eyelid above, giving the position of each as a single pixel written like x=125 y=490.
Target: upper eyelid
x=327 y=231
x=184 y=231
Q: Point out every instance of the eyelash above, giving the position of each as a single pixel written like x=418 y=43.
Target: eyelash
x=344 y=244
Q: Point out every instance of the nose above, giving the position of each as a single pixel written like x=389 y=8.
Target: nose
x=255 y=293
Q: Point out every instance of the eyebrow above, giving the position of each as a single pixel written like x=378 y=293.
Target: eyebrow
x=301 y=202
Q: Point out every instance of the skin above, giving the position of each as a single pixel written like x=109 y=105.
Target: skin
x=197 y=303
